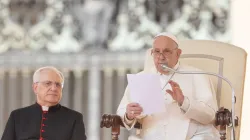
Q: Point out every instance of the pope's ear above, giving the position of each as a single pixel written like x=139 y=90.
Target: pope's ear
x=179 y=51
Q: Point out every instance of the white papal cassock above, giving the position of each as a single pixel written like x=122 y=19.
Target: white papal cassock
x=193 y=120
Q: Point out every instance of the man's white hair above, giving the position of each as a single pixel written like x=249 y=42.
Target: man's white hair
x=36 y=75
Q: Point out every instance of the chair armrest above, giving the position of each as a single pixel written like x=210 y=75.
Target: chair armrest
x=112 y=120
x=115 y=122
x=223 y=118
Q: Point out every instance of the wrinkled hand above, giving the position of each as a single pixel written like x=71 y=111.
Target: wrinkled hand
x=133 y=110
x=176 y=92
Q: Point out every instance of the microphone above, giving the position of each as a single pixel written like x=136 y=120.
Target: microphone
x=166 y=68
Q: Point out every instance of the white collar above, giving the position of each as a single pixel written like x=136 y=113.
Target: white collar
x=45 y=108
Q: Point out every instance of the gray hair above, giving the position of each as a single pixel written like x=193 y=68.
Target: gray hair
x=36 y=75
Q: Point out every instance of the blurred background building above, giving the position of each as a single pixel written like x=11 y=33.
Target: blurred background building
x=95 y=43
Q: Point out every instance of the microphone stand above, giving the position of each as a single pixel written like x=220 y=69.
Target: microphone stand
x=165 y=67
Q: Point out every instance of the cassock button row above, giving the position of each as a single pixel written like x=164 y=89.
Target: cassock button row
x=44 y=118
x=43 y=125
x=42 y=130
x=41 y=138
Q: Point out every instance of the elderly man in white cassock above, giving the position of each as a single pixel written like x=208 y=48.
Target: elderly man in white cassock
x=189 y=101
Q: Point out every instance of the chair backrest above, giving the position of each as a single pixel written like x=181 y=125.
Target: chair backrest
x=216 y=57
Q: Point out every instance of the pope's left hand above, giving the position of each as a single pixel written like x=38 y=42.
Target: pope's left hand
x=176 y=92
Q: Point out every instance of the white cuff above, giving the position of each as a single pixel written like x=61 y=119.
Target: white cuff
x=185 y=104
x=127 y=121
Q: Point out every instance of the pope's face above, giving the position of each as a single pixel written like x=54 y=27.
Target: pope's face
x=49 y=88
x=165 y=51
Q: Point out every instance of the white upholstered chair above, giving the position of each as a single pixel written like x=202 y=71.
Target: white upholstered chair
x=216 y=57
x=220 y=58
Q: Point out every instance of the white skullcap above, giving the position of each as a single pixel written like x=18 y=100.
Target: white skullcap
x=169 y=36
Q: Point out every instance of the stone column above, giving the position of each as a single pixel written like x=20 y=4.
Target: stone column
x=14 y=95
x=66 y=91
x=27 y=92
x=78 y=93
x=107 y=99
x=93 y=129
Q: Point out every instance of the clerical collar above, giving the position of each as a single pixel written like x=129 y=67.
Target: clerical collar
x=45 y=108
x=51 y=108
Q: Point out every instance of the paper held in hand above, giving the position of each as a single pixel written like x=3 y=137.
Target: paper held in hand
x=145 y=89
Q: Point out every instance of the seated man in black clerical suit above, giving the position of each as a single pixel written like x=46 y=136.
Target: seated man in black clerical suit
x=46 y=119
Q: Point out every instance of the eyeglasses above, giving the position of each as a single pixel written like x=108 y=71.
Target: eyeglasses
x=50 y=83
x=165 y=53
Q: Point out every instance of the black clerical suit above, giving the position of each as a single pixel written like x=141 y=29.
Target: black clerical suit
x=32 y=123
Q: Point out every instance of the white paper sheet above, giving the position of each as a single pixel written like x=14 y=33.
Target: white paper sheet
x=145 y=89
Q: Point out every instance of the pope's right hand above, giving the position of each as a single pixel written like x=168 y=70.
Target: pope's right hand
x=133 y=110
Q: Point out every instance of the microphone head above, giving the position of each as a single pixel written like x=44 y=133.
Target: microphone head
x=164 y=67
